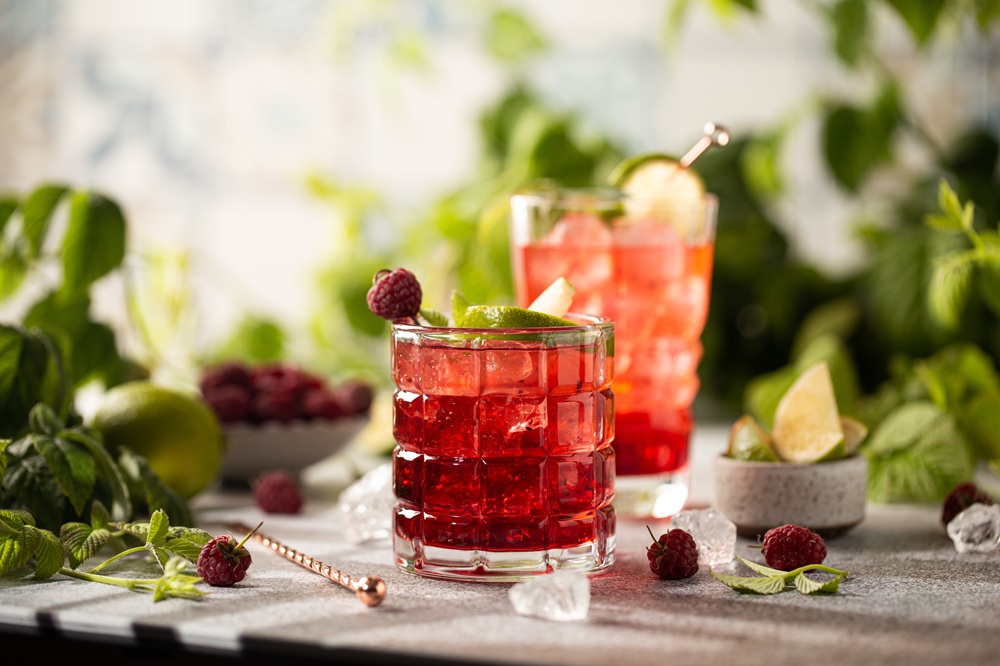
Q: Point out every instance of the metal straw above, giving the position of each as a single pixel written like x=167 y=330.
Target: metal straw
x=370 y=590
x=715 y=135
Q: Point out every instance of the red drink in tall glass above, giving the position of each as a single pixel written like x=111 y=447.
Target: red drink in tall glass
x=653 y=280
x=503 y=467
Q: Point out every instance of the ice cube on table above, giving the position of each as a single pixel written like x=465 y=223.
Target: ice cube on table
x=976 y=529
x=561 y=596
x=714 y=534
x=367 y=504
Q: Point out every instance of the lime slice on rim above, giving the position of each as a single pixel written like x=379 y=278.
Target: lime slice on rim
x=749 y=441
x=556 y=298
x=509 y=316
x=658 y=187
x=807 y=426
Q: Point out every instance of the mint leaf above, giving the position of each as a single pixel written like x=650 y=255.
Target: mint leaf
x=752 y=584
x=458 y=306
x=433 y=317
x=806 y=585
x=901 y=428
x=761 y=569
x=917 y=455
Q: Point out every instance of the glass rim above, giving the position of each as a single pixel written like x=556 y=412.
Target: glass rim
x=589 y=196
x=594 y=324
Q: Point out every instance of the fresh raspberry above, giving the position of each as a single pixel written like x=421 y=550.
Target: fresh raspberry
x=674 y=555
x=277 y=378
x=229 y=373
x=230 y=402
x=395 y=294
x=274 y=406
x=223 y=562
x=961 y=498
x=321 y=404
x=791 y=546
x=277 y=492
x=354 y=396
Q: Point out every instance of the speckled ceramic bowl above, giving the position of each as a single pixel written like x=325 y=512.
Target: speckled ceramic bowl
x=828 y=498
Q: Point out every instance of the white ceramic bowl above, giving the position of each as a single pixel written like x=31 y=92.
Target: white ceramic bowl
x=254 y=449
x=828 y=498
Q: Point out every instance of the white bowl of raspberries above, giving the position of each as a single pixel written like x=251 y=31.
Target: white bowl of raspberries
x=281 y=416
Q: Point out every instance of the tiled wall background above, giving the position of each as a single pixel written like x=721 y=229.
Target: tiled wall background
x=202 y=117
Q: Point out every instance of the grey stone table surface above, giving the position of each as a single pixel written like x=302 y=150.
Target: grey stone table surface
x=910 y=599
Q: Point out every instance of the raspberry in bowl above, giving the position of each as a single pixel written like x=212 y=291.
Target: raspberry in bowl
x=281 y=416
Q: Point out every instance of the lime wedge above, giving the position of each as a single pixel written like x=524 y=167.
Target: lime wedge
x=658 y=187
x=556 y=298
x=807 y=424
x=749 y=441
x=854 y=433
x=508 y=316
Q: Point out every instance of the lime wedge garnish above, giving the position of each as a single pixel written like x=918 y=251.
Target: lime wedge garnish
x=807 y=424
x=509 y=316
x=556 y=298
x=854 y=433
x=658 y=187
x=749 y=441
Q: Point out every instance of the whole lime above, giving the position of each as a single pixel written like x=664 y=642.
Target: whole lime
x=174 y=430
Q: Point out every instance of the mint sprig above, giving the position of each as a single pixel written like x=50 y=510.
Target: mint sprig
x=773 y=581
x=175 y=550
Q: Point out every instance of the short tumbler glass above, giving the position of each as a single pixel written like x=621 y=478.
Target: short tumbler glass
x=503 y=468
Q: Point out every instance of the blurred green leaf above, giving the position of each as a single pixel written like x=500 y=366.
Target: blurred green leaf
x=949 y=288
x=980 y=421
x=762 y=165
x=94 y=243
x=8 y=206
x=13 y=270
x=849 y=21
x=988 y=286
x=37 y=210
x=916 y=455
x=255 y=339
x=920 y=16
x=511 y=37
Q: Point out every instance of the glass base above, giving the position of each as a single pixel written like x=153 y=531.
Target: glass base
x=652 y=495
x=500 y=567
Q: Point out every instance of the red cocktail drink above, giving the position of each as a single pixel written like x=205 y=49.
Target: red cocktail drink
x=650 y=272
x=503 y=467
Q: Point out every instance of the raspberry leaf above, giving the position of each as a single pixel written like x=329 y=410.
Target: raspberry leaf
x=49 y=555
x=82 y=541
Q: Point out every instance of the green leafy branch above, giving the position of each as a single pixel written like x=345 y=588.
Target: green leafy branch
x=174 y=549
x=773 y=581
x=958 y=275
x=58 y=473
x=57 y=345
